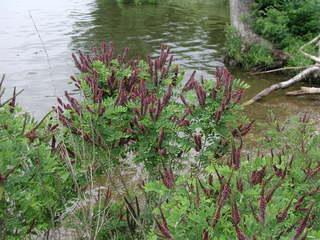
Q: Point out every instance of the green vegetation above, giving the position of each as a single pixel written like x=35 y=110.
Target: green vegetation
x=139 y=100
x=279 y=20
x=255 y=55
x=34 y=185
x=286 y=24
x=139 y=155
x=270 y=195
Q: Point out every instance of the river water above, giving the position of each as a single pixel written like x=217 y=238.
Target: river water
x=37 y=38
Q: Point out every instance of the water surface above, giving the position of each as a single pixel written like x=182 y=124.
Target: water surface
x=37 y=38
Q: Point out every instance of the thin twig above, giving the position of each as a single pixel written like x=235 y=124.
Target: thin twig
x=1 y=88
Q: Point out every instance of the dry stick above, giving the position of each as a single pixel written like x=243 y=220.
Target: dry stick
x=304 y=91
x=2 y=89
x=285 y=84
x=42 y=120
x=281 y=69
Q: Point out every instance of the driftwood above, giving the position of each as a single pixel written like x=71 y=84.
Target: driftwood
x=299 y=77
x=304 y=91
x=302 y=75
x=280 y=69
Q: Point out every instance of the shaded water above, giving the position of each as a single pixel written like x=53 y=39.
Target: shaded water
x=37 y=38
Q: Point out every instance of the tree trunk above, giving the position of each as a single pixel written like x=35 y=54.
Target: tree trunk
x=240 y=16
x=240 y=11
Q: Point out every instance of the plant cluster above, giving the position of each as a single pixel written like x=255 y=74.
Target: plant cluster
x=271 y=195
x=138 y=112
x=133 y=106
x=278 y=20
x=33 y=183
x=286 y=24
x=253 y=56
x=72 y=171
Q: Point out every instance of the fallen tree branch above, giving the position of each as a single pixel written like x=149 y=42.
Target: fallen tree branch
x=304 y=91
x=281 y=69
x=302 y=75
x=299 y=77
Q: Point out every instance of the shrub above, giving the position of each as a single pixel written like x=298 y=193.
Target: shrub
x=234 y=45
x=133 y=106
x=253 y=56
x=34 y=185
x=298 y=18
x=287 y=24
x=269 y=196
x=131 y=113
x=258 y=55
x=273 y=26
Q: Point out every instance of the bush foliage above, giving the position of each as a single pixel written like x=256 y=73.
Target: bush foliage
x=33 y=183
x=286 y=24
x=147 y=110
x=72 y=171
x=268 y=196
x=253 y=56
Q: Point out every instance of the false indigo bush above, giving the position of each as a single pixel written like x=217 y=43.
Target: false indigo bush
x=131 y=105
x=33 y=184
x=270 y=196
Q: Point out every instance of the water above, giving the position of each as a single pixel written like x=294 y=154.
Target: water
x=37 y=38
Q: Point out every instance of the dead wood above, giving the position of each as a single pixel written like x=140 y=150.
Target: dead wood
x=304 y=91
x=299 y=77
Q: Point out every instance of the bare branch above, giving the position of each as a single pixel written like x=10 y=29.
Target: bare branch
x=314 y=58
x=302 y=75
x=281 y=69
x=304 y=91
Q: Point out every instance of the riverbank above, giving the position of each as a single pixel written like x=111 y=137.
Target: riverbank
x=276 y=31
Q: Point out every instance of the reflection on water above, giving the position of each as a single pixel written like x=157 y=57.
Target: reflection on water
x=194 y=29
